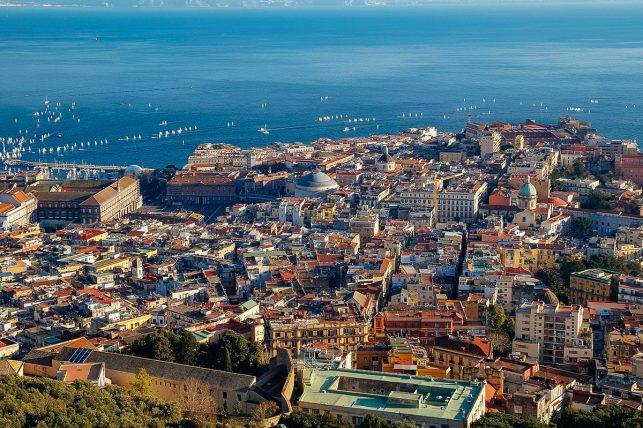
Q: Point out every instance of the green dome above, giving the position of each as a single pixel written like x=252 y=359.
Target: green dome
x=527 y=190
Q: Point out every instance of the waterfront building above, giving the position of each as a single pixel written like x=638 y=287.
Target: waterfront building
x=630 y=167
x=113 y=202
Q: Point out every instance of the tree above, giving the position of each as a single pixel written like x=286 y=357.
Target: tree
x=599 y=200
x=245 y=356
x=615 y=264
x=38 y=402
x=197 y=399
x=162 y=348
x=569 y=265
x=373 y=421
x=404 y=423
x=495 y=317
x=501 y=343
x=604 y=416
x=167 y=345
x=228 y=361
x=142 y=385
x=581 y=227
x=578 y=168
x=299 y=419
x=504 y=420
x=265 y=410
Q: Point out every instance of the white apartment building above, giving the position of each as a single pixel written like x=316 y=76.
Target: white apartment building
x=461 y=201
x=551 y=334
x=490 y=143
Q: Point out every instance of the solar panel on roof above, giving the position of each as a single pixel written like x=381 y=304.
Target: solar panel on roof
x=80 y=355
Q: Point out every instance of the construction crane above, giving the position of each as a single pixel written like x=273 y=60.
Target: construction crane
x=436 y=180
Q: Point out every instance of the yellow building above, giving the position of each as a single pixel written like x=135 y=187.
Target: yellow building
x=593 y=285
x=297 y=333
x=405 y=358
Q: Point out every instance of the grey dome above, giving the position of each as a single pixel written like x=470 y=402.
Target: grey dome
x=134 y=170
x=315 y=182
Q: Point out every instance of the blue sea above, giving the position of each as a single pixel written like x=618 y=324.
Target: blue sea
x=115 y=74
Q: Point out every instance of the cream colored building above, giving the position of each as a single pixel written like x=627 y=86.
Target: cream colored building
x=552 y=334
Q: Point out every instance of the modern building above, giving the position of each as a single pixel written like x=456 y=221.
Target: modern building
x=315 y=184
x=551 y=334
x=427 y=402
x=490 y=142
x=593 y=285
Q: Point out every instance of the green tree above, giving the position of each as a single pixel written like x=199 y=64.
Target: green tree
x=299 y=419
x=373 y=421
x=228 y=360
x=142 y=383
x=495 y=317
x=599 y=200
x=504 y=420
x=602 y=417
x=581 y=227
x=578 y=168
x=37 y=402
x=245 y=356
x=404 y=423
x=569 y=265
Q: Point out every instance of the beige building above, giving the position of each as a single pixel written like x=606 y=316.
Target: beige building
x=298 y=333
x=461 y=201
x=490 y=142
x=551 y=334
x=593 y=285
x=120 y=198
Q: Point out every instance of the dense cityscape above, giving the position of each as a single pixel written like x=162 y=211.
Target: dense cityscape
x=489 y=277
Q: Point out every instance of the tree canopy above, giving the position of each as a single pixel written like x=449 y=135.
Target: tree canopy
x=231 y=353
x=40 y=403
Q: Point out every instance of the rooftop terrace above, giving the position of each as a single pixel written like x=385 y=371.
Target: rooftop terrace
x=387 y=392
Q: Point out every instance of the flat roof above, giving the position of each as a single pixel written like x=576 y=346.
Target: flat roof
x=421 y=396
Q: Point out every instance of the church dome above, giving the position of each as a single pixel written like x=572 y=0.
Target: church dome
x=386 y=158
x=547 y=297
x=527 y=190
x=315 y=184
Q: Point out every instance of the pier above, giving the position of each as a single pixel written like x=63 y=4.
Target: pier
x=67 y=166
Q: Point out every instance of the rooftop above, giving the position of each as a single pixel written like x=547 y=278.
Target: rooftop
x=387 y=392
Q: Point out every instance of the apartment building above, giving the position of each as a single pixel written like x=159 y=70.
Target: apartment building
x=461 y=201
x=490 y=142
x=551 y=334
x=294 y=334
x=593 y=285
